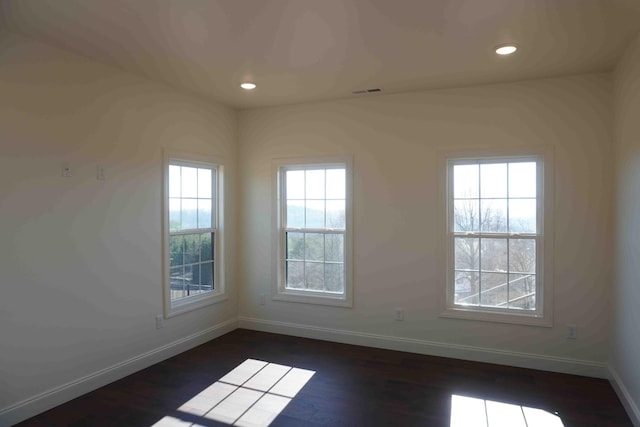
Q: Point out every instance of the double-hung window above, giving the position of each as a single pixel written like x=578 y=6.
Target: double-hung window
x=192 y=235
x=313 y=239
x=498 y=223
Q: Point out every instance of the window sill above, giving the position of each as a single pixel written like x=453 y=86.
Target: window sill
x=527 y=319
x=313 y=298
x=188 y=304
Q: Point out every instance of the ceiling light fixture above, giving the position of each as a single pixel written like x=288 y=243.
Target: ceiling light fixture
x=506 y=49
x=248 y=86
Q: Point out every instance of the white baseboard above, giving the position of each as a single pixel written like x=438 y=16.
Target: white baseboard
x=625 y=397
x=476 y=354
x=46 y=400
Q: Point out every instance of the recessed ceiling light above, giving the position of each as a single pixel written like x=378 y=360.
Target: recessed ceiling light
x=248 y=86
x=506 y=49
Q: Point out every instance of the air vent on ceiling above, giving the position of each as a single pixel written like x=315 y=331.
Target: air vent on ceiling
x=362 y=91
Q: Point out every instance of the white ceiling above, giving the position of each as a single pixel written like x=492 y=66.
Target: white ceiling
x=305 y=50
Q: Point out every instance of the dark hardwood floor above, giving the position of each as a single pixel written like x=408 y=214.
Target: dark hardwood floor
x=352 y=386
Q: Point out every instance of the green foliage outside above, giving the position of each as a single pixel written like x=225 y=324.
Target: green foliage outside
x=191 y=264
x=315 y=261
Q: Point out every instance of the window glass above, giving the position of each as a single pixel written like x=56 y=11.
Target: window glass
x=493 y=233
x=191 y=208
x=314 y=229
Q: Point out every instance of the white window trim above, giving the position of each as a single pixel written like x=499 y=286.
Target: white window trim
x=279 y=291
x=544 y=257
x=190 y=303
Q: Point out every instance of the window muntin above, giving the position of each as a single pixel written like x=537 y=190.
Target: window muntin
x=192 y=232
x=313 y=238
x=495 y=230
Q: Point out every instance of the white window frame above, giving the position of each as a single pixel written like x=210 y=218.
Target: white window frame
x=218 y=294
x=543 y=314
x=279 y=290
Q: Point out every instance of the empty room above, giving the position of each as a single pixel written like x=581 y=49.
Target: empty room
x=306 y=213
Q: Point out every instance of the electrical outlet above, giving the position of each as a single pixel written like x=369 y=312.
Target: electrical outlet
x=399 y=314
x=159 y=321
x=66 y=171
x=572 y=332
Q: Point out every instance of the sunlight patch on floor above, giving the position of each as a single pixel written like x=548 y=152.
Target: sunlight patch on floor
x=253 y=394
x=473 y=412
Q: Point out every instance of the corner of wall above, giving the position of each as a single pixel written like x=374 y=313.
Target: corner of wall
x=632 y=408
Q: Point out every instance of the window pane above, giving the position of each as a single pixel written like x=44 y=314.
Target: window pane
x=191 y=192
x=314 y=272
x=336 y=184
x=528 y=303
x=195 y=286
x=314 y=214
x=191 y=248
x=493 y=215
x=189 y=214
x=334 y=247
x=493 y=180
x=315 y=200
x=295 y=185
x=189 y=182
x=176 y=250
x=314 y=184
x=522 y=216
x=466 y=215
x=493 y=289
x=522 y=255
x=295 y=275
x=466 y=287
x=206 y=276
x=204 y=183
x=206 y=253
x=314 y=245
x=175 y=222
x=334 y=277
x=295 y=246
x=494 y=255
x=174 y=181
x=188 y=279
x=494 y=199
x=465 y=181
x=204 y=213
x=335 y=214
x=522 y=291
x=467 y=254
x=176 y=280
x=295 y=213
x=522 y=179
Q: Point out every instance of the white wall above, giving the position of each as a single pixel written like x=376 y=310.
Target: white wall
x=81 y=260
x=394 y=140
x=625 y=355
